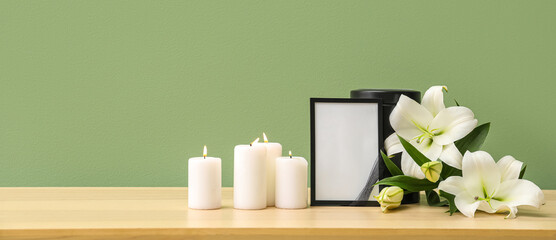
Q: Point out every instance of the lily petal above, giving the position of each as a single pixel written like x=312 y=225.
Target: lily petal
x=501 y=207
x=433 y=99
x=466 y=204
x=453 y=185
x=479 y=172
x=410 y=168
x=427 y=147
x=393 y=145
x=509 y=168
x=486 y=207
x=451 y=156
x=512 y=211
x=452 y=124
x=517 y=192
x=409 y=118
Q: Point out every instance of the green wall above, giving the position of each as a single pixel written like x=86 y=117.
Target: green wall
x=122 y=93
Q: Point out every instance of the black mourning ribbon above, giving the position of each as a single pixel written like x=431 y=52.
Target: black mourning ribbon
x=365 y=193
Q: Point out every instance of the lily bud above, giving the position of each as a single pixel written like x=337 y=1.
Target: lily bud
x=389 y=198
x=432 y=170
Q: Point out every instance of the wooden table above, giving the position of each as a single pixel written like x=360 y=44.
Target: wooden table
x=162 y=213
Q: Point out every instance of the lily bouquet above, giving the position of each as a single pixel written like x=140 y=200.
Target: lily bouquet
x=440 y=154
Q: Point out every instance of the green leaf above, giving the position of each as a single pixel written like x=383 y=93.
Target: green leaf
x=522 y=172
x=450 y=199
x=474 y=140
x=433 y=199
x=417 y=156
x=448 y=171
x=394 y=170
x=408 y=183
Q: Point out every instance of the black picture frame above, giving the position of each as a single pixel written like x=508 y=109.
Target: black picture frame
x=379 y=133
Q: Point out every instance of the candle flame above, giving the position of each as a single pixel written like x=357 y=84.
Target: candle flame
x=290 y=154
x=264 y=138
x=254 y=142
x=205 y=152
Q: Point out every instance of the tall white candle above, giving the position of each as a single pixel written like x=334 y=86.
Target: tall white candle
x=204 y=182
x=291 y=182
x=273 y=151
x=250 y=176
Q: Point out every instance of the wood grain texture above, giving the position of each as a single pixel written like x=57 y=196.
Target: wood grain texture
x=162 y=213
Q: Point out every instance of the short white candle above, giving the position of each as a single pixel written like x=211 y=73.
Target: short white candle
x=273 y=151
x=250 y=176
x=204 y=182
x=291 y=182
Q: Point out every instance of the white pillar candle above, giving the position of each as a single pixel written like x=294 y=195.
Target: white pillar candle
x=204 y=182
x=250 y=176
x=291 y=182
x=273 y=151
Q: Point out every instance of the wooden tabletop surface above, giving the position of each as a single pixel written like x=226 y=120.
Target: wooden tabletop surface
x=162 y=213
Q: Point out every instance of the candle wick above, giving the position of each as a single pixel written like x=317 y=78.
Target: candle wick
x=290 y=156
x=250 y=144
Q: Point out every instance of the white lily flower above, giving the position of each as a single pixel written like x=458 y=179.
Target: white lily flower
x=431 y=128
x=491 y=187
